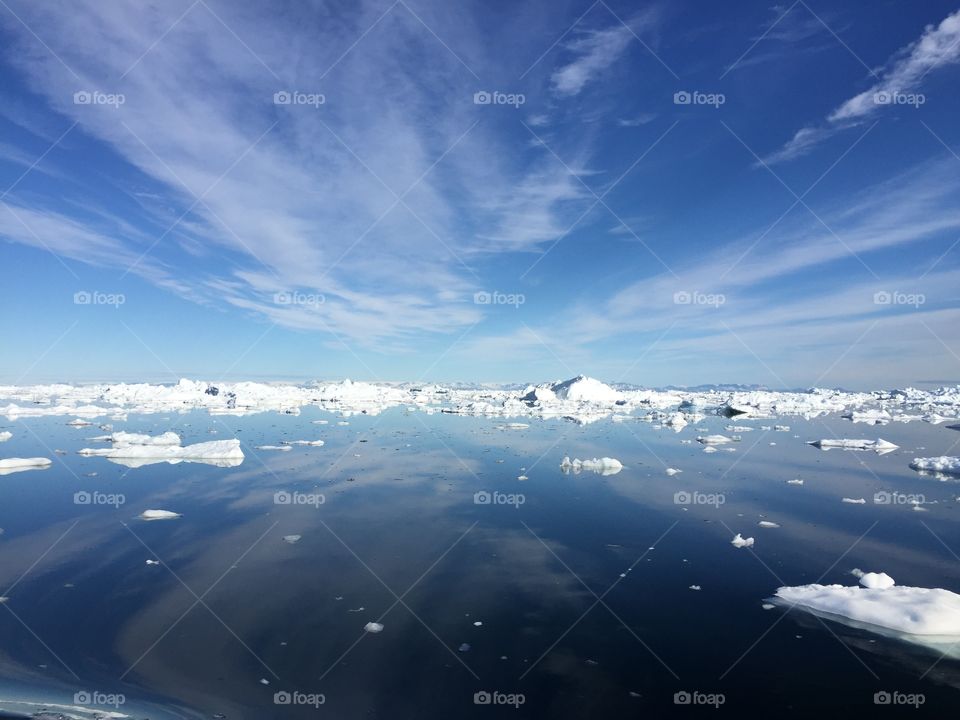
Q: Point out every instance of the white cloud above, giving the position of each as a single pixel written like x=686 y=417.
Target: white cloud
x=596 y=50
x=938 y=47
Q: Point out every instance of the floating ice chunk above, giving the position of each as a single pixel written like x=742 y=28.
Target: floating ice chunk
x=158 y=515
x=125 y=438
x=5 y=435
x=714 y=439
x=281 y=448
x=672 y=471
x=876 y=580
x=153 y=562
x=709 y=449
x=781 y=428
x=292 y=539
x=880 y=446
x=741 y=542
x=464 y=647
x=738 y=428
x=522 y=477
x=870 y=417
x=316 y=443
x=795 y=481
x=320 y=422
x=373 y=627
x=927 y=616
x=585 y=389
x=767 y=524
x=601 y=466
x=478 y=623
x=222 y=453
x=79 y=423
x=944 y=464
x=854 y=501
x=694 y=587
x=13 y=465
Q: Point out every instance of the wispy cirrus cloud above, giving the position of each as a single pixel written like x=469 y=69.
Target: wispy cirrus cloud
x=938 y=47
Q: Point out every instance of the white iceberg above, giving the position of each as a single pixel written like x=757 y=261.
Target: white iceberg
x=943 y=465
x=879 y=446
x=924 y=616
x=221 y=453
x=854 y=501
x=158 y=515
x=741 y=542
x=5 y=435
x=13 y=465
x=767 y=524
x=714 y=439
x=373 y=627
x=601 y=466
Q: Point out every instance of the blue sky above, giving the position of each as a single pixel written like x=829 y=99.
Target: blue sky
x=662 y=193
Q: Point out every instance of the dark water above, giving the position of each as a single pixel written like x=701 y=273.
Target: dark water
x=400 y=535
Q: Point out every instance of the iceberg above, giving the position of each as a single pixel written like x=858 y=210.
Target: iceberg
x=880 y=446
x=221 y=453
x=12 y=465
x=942 y=466
x=601 y=466
x=924 y=616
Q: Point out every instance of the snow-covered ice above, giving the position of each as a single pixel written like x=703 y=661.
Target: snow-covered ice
x=741 y=542
x=879 y=446
x=158 y=515
x=945 y=465
x=601 y=466
x=138 y=450
x=12 y=465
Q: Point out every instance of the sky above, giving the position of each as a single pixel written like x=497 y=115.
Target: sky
x=654 y=193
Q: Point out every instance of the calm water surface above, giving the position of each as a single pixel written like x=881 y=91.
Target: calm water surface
x=581 y=582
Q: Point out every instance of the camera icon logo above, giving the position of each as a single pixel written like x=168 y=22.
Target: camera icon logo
x=482 y=497
x=682 y=298
x=82 y=97
x=882 y=698
x=682 y=98
x=82 y=698
x=482 y=698
x=282 y=497
x=482 y=298
x=82 y=298
x=482 y=97
x=282 y=98
x=882 y=98
x=882 y=298
x=282 y=698
x=682 y=698
x=82 y=498
x=682 y=498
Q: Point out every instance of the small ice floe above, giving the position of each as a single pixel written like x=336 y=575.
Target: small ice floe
x=464 y=647
x=13 y=465
x=158 y=515
x=264 y=681
x=343 y=422
x=941 y=467
x=870 y=417
x=513 y=426
x=5 y=435
x=738 y=428
x=522 y=477
x=854 y=501
x=274 y=447
x=320 y=422
x=741 y=542
x=316 y=443
x=880 y=446
x=767 y=524
x=292 y=539
x=715 y=439
x=78 y=423
x=478 y=623
x=373 y=627
x=694 y=587
x=709 y=449
x=153 y=562
x=134 y=452
x=672 y=471
x=795 y=481
x=3 y=599
x=781 y=428
x=601 y=466
x=924 y=616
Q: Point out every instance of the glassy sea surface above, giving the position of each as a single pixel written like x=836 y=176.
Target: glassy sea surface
x=561 y=595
